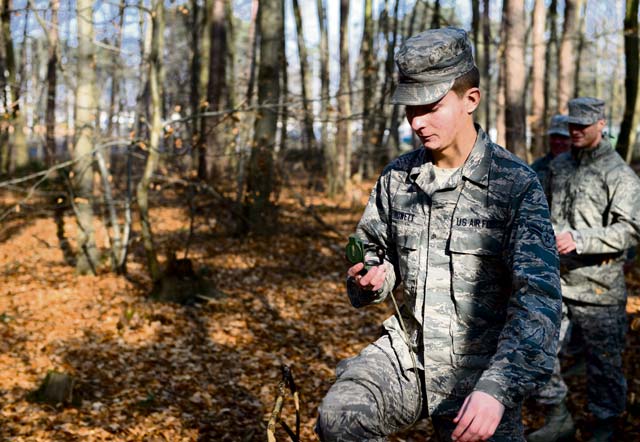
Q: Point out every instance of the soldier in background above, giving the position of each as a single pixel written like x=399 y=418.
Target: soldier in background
x=559 y=142
x=595 y=211
x=465 y=227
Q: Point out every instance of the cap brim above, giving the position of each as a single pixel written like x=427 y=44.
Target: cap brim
x=417 y=94
x=558 y=132
x=580 y=121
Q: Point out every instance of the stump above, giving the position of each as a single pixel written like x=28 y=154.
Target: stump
x=56 y=388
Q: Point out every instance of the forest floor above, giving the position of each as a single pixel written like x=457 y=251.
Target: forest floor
x=151 y=371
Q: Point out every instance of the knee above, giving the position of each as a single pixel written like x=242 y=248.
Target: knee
x=348 y=414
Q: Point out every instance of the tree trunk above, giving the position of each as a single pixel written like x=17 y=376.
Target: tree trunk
x=382 y=114
x=486 y=62
x=204 y=64
x=337 y=177
x=284 y=89
x=501 y=128
x=155 y=134
x=566 y=55
x=515 y=78
x=537 y=80
x=324 y=80
x=631 y=49
x=17 y=154
x=550 y=56
x=476 y=20
x=216 y=88
x=52 y=82
x=85 y=139
x=309 y=138
x=435 y=19
x=260 y=185
x=580 y=49
x=368 y=84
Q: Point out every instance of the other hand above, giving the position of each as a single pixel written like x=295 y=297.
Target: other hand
x=478 y=418
x=565 y=243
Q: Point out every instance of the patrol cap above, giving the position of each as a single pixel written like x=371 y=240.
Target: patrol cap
x=585 y=110
x=559 y=125
x=429 y=63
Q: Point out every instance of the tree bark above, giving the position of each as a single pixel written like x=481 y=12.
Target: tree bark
x=631 y=48
x=368 y=84
x=17 y=154
x=155 y=134
x=204 y=74
x=486 y=62
x=216 y=89
x=260 y=185
x=52 y=82
x=309 y=138
x=537 y=80
x=566 y=55
x=550 y=56
x=435 y=19
x=85 y=120
x=515 y=78
x=337 y=179
x=324 y=79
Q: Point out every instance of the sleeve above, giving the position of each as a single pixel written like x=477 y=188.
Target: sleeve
x=623 y=230
x=375 y=228
x=526 y=349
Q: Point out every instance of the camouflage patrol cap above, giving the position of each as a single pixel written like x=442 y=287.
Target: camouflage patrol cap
x=585 y=111
x=429 y=63
x=559 y=125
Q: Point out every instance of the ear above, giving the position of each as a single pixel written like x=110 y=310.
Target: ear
x=601 y=124
x=472 y=99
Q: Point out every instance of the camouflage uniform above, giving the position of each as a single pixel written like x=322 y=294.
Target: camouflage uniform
x=594 y=195
x=482 y=299
x=558 y=126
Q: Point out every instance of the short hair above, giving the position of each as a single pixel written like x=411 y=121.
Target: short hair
x=466 y=81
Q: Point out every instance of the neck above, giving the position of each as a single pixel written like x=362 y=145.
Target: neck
x=458 y=151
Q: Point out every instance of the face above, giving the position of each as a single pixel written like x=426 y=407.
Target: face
x=586 y=137
x=437 y=124
x=559 y=144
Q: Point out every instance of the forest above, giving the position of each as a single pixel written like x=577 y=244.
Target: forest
x=179 y=179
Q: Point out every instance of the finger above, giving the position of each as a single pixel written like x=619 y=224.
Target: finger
x=462 y=409
x=355 y=269
x=460 y=432
x=366 y=279
x=378 y=279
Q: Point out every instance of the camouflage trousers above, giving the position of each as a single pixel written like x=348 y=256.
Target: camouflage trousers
x=603 y=329
x=373 y=398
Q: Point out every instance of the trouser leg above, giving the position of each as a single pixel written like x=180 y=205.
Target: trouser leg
x=603 y=330
x=555 y=391
x=372 y=397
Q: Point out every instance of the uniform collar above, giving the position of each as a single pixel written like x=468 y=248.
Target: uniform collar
x=475 y=168
x=591 y=154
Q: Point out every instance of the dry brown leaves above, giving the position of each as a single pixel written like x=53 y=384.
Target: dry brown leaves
x=158 y=372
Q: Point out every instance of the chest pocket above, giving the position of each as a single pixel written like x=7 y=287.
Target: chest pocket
x=480 y=289
x=407 y=247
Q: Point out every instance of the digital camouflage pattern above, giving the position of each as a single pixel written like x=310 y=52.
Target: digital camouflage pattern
x=559 y=125
x=585 y=110
x=478 y=263
x=594 y=194
x=603 y=329
x=429 y=63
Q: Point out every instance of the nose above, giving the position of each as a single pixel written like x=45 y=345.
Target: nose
x=419 y=121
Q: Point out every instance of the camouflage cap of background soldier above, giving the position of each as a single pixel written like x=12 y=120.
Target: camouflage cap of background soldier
x=586 y=111
x=559 y=125
x=429 y=63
